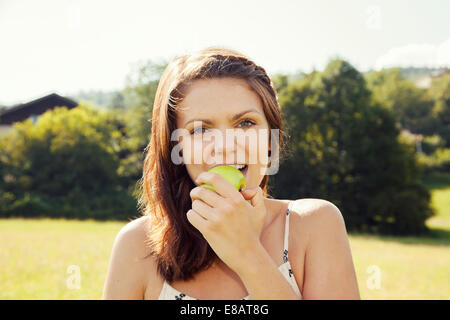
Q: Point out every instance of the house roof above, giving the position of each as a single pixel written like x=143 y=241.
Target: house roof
x=38 y=106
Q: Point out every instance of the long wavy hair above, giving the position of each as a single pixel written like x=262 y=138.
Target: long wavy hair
x=180 y=249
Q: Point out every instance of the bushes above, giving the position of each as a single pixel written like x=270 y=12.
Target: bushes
x=400 y=212
x=432 y=143
x=438 y=161
x=108 y=205
x=64 y=165
x=345 y=148
x=25 y=205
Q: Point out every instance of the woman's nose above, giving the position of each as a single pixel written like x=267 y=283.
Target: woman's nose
x=224 y=142
x=225 y=146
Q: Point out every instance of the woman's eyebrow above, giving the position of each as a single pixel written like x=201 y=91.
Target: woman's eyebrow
x=236 y=116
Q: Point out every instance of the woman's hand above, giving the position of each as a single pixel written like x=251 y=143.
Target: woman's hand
x=231 y=221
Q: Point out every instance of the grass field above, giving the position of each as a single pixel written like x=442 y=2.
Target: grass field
x=40 y=257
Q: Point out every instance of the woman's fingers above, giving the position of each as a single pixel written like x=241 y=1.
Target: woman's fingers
x=196 y=220
x=207 y=196
x=203 y=210
x=220 y=184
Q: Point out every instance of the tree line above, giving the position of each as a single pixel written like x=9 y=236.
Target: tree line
x=353 y=141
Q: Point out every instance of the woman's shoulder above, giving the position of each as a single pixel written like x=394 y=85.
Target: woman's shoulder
x=306 y=208
x=312 y=215
x=321 y=229
x=132 y=236
x=314 y=208
x=135 y=229
x=130 y=263
x=305 y=211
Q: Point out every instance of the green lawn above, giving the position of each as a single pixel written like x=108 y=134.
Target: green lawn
x=36 y=257
x=410 y=267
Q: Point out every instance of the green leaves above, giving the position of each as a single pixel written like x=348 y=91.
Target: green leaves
x=63 y=153
x=345 y=148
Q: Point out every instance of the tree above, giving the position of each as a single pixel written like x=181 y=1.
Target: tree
x=280 y=81
x=117 y=101
x=142 y=83
x=344 y=148
x=65 y=164
x=440 y=92
x=411 y=105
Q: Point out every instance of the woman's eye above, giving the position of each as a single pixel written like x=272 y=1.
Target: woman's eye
x=197 y=130
x=248 y=121
x=194 y=131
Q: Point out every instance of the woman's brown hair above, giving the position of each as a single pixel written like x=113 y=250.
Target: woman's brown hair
x=179 y=248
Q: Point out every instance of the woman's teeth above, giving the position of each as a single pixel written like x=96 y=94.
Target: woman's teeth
x=238 y=166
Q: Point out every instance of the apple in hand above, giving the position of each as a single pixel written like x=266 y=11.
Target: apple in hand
x=231 y=174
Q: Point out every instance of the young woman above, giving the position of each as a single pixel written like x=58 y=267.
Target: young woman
x=196 y=243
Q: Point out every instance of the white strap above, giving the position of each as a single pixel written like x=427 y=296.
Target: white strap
x=286 y=233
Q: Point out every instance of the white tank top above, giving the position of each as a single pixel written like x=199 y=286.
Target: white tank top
x=170 y=293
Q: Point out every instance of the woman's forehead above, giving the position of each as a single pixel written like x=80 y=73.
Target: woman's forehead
x=211 y=97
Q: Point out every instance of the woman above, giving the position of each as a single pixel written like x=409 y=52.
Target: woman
x=196 y=243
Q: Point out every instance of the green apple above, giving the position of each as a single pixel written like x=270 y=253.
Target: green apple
x=231 y=174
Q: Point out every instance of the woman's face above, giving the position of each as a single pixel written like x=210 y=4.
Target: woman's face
x=224 y=123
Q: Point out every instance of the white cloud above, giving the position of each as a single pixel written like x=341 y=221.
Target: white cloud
x=443 y=53
x=416 y=55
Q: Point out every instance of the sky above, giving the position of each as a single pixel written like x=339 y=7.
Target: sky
x=65 y=46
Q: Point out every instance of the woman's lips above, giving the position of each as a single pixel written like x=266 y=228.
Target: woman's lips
x=244 y=172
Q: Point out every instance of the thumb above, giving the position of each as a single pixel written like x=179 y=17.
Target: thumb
x=254 y=196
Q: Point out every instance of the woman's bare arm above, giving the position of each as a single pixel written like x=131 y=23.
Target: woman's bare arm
x=329 y=270
x=125 y=279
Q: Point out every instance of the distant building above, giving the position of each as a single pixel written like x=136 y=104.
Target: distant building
x=32 y=110
x=425 y=81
